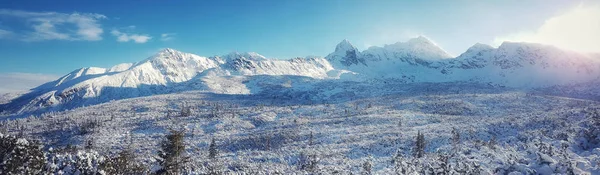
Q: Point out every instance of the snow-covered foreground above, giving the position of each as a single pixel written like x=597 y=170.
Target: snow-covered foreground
x=501 y=130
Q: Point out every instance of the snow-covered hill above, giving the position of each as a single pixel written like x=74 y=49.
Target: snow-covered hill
x=417 y=60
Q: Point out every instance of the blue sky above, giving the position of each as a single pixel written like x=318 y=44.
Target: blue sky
x=56 y=37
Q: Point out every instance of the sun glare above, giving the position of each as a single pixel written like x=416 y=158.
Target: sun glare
x=578 y=29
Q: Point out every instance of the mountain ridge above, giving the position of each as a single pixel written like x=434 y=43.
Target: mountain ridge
x=416 y=60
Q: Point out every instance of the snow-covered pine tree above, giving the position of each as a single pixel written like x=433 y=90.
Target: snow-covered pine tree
x=172 y=154
x=492 y=143
x=311 y=139
x=455 y=139
x=398 y=163
x=212 y=150
x=367 y=167
x=123 y=163
x=419 y=149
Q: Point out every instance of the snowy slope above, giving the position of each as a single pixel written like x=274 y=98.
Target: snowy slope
x=501 y=130
x=254 y=64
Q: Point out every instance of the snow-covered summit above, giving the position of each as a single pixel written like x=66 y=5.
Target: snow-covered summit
x=418 y=50
x=477 y=47
x=477 y=56
x=345 y=54
x=422 y=45
x=344 y=46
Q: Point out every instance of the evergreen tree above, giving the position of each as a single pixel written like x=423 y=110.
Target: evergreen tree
x=492 y=142
x=311 y=139
x=268 y=142
x=212 y=150
x=419 y=149
x=172 y=154
x=400 y=164
x=367 y=167
x=123 y=163
x=213 y=165
x=455 y=139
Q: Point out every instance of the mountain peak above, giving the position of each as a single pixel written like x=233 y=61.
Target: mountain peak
x=167 y=50
x=420 y=39
x=345 y=45
x=420 y=47
x=478 y=54
x=346 y=54
x=479 y=46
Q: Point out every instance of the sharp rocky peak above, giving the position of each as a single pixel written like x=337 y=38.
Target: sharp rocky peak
x=345 y=45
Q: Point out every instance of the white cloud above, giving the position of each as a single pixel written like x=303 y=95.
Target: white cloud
x=16 y=82
x=126 y=37
x=5 y=33
x=58 y=26
x=167 y=36
x=578 y=29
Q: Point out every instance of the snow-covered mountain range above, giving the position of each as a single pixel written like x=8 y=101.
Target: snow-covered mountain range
x=511 y=64
x=417 y=60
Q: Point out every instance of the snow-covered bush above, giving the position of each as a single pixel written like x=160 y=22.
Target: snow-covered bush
x=79 y=162
x=590 y=133
x=438 y=163
x=88 y=127
x=20 y=156
x=122 y=163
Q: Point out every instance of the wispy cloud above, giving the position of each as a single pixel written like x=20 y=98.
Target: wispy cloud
x=167 y=36
x=126 y=37
x=5 y=33
x=57 y=26
x=15 y=82
x=577 y=29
